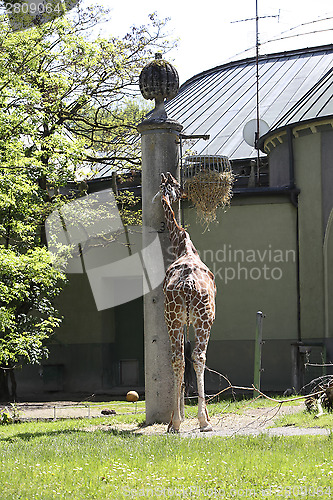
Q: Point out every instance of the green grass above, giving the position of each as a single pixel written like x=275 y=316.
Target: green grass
x=238 y=406
x=50 y=460
x=306 y=419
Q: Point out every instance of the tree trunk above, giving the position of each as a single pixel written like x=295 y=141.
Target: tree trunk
x=13 y=384
x=7 y=375
x=42 y=185
x=4 y=389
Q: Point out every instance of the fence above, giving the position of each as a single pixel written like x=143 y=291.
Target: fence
x=61 y=410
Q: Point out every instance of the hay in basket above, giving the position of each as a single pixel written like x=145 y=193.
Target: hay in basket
x=208 y=185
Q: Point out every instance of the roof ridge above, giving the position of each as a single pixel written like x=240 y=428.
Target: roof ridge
x=252 y=59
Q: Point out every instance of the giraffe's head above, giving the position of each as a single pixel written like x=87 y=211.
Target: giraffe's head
x=170 y=187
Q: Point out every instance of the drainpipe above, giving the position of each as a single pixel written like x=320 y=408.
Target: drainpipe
x=297 y=361
x=294 y=200
x=291 y=158
x=325 y=252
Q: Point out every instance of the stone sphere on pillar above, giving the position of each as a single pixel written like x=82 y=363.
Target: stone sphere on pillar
x=159 y=80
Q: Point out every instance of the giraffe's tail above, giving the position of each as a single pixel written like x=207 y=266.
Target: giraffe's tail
x=189 y=372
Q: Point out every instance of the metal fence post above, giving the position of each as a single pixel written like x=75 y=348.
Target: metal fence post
x=257 y=353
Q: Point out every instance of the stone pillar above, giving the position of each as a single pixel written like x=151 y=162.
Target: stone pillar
x=160 y=153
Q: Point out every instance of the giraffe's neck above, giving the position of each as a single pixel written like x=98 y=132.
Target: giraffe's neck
x=176 y=232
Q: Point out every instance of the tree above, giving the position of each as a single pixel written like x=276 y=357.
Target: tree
x=69 y=95
x=28 y=285
x=66 y=104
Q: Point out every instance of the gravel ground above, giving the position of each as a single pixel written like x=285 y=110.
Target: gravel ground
x=253 y=421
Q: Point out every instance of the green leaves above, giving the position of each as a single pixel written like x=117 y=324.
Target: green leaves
x=59 y=85
x=28 y=286
x=21 y=210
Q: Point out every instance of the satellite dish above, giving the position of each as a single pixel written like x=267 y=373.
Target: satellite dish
x=250 y=130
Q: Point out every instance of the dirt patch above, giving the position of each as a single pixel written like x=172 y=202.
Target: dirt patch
x=252 y=421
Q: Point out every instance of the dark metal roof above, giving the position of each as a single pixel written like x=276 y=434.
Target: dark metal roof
x=293 y=85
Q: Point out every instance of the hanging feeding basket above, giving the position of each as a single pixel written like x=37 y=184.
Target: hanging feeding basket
x=208 y=184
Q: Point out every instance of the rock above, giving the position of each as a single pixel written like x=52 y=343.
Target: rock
x=107 y=411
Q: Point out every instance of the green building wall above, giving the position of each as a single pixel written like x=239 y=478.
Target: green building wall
x=312 y=148
x=308 y=173
x=93 y=352
x=252 y=252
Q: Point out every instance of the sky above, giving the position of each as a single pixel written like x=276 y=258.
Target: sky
x=209 y=36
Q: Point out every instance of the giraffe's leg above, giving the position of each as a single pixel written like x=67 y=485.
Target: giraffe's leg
x=199 y=363
x=175 y=329
x=182 y=401
x=199 y=360
x=178 y=365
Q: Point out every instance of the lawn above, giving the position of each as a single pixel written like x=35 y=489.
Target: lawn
x=306 y=419
x=83 y=459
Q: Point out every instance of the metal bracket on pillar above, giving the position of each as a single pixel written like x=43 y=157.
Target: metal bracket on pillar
x=205 y=137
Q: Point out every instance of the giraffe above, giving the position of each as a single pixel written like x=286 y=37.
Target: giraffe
x=189 y=289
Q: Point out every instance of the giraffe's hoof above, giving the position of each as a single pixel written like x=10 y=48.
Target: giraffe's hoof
x=172 y=430
x=206 y=428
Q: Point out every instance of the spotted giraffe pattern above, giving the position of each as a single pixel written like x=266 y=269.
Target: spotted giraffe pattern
x=189 y=289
